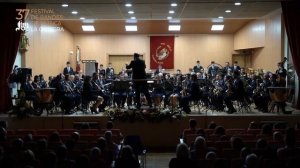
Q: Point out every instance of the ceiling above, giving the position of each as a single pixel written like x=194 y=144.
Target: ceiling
x=195 y=16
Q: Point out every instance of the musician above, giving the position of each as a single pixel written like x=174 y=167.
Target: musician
x=281 y=73
x=261 y=96
x=158 y=90
x=236 y=67
x=138 y=73
x=213 y=70
x=89 y=94
x=101 y=70
x=190 y=93
x=227 y=70
x=218 y=93
x=68 y=70
x=78 y=83
x=158 y=69
x=98 y=85
x=43 y=82
x=36 y=82
x=70 y=98
x=197 y=67
x=28 y=89
x=168 y=89
x=110 y=71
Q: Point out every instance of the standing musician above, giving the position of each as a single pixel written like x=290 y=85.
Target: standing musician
x=98 y=86
x=197 y=68
x=227 y=70
x=139 y=79
x=68 y=70
x=101 y=70
x=281 y=74
x=110 y=71
x=236 y=67
x=213 y=70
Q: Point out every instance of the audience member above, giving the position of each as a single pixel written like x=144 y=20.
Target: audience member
x=251 y=161
x=96 y=161
x=182 y=159
x=127 y=158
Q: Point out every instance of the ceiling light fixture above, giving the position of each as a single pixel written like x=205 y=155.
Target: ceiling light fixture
x=217 y=27
x=173 y=4
x=174 y=27
x=237 y=3
x=64 y=5
x=128 y=5
x=228 y=11
x=88 y=28
x=131 y=12
x=169 y=17
x=82 y=18
x=130 y=27
x=171 y=11
x=74 y=12
x=220 y=17
x=133 y=18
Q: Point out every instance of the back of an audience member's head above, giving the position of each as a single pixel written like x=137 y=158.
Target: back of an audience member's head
x=219 y=130
x=201 y=132
x=261 y=144
x=101 y=143
x=3 y=124
x=182 y=151
x=70 y=144
x=277 y=136
x=211 y=155
x=251 y=161
x=266 y=129
x=126 y=152
x=244 y=153
x=212 y=125
x=29 y=158
x=61 y=152
x=290 y=138
x=199 y=143
x=50 y=160
x=109 y=125
x=253 y=125
x=82 y=161
x=108 y=136
x=75 y=136
x=17 y=144
x=95 y=153
x=237 y=143
x=54 y=137
x=3 y=134
x=42 y=144
x=224 y=138
x=193 y=123
x=28 y=138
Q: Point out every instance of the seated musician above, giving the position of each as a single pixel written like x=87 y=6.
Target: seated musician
x=78 y=82
x=130 y=95
x=158 y=69
x=70 y=98
x=177 y=88
x=158 y=90
x=281 y=73
x=218 y=93
x=36 y=82
x=235 y=91
x=236 y=67
x=260 y=95
x=28 y=88
x=168 y=89
x=43 y=82
x=119 y=92
x=89 y=94
x=97 y=85
x=190 y=93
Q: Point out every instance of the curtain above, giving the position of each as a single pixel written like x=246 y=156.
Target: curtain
x=9 y=43
x=291 y=15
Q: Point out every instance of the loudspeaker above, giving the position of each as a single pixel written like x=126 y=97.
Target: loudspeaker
x=23 y=73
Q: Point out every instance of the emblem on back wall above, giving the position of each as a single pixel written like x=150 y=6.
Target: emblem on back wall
x=161 y=53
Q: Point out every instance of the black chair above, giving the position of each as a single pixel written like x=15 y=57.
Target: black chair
x=138 y=149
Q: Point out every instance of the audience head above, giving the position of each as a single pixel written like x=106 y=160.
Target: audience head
x=101 y=143
x=54 y=137
x=182 y=151
x=199 y=143
x=212 y=125
x=266 y=129
x=253 y=125
x=61 y=152
x=75 y=136
x=201 y=132
x=219 y=130
x=28 y=158
x=3 y=134
x=211 y=155
x=237 y=143
x=193 y=124
x=108 y=136
x=95 y=153
x=277 y=136
x=17 y=144
x=251 y=161
x=70 y=144
x=82 y=161
x=261 y=144
x=126 y=152
x=109 y=125
x=244 y=153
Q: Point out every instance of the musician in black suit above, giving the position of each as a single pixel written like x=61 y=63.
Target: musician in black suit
x=101 y=70
x=236 y=67
x=227 y=69
x=138 y=73
x=68 y=70
x=213 y=70
x=197 y=67
x=110 y=71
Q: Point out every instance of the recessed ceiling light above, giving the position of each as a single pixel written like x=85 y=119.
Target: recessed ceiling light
x=237 y=3
x=133 y=18
x=131 y=28
x=82 y=18
x=88 y=28
x=217 y=27
x=174 y=27
x=169 y=17
x=74 y=12
x=131 y=12
x=228 y=11
x=64 y=5
x=220 y=17
x=174 y=4
x=171 y=11
x=128 y=5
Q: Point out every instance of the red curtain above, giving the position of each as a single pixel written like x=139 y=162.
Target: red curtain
x=291 y=15
x=162 y=52
x=8 y=49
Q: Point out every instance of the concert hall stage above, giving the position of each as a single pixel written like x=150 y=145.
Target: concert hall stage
x=154 y=134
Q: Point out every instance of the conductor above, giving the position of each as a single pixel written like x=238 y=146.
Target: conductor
x=139 y=79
